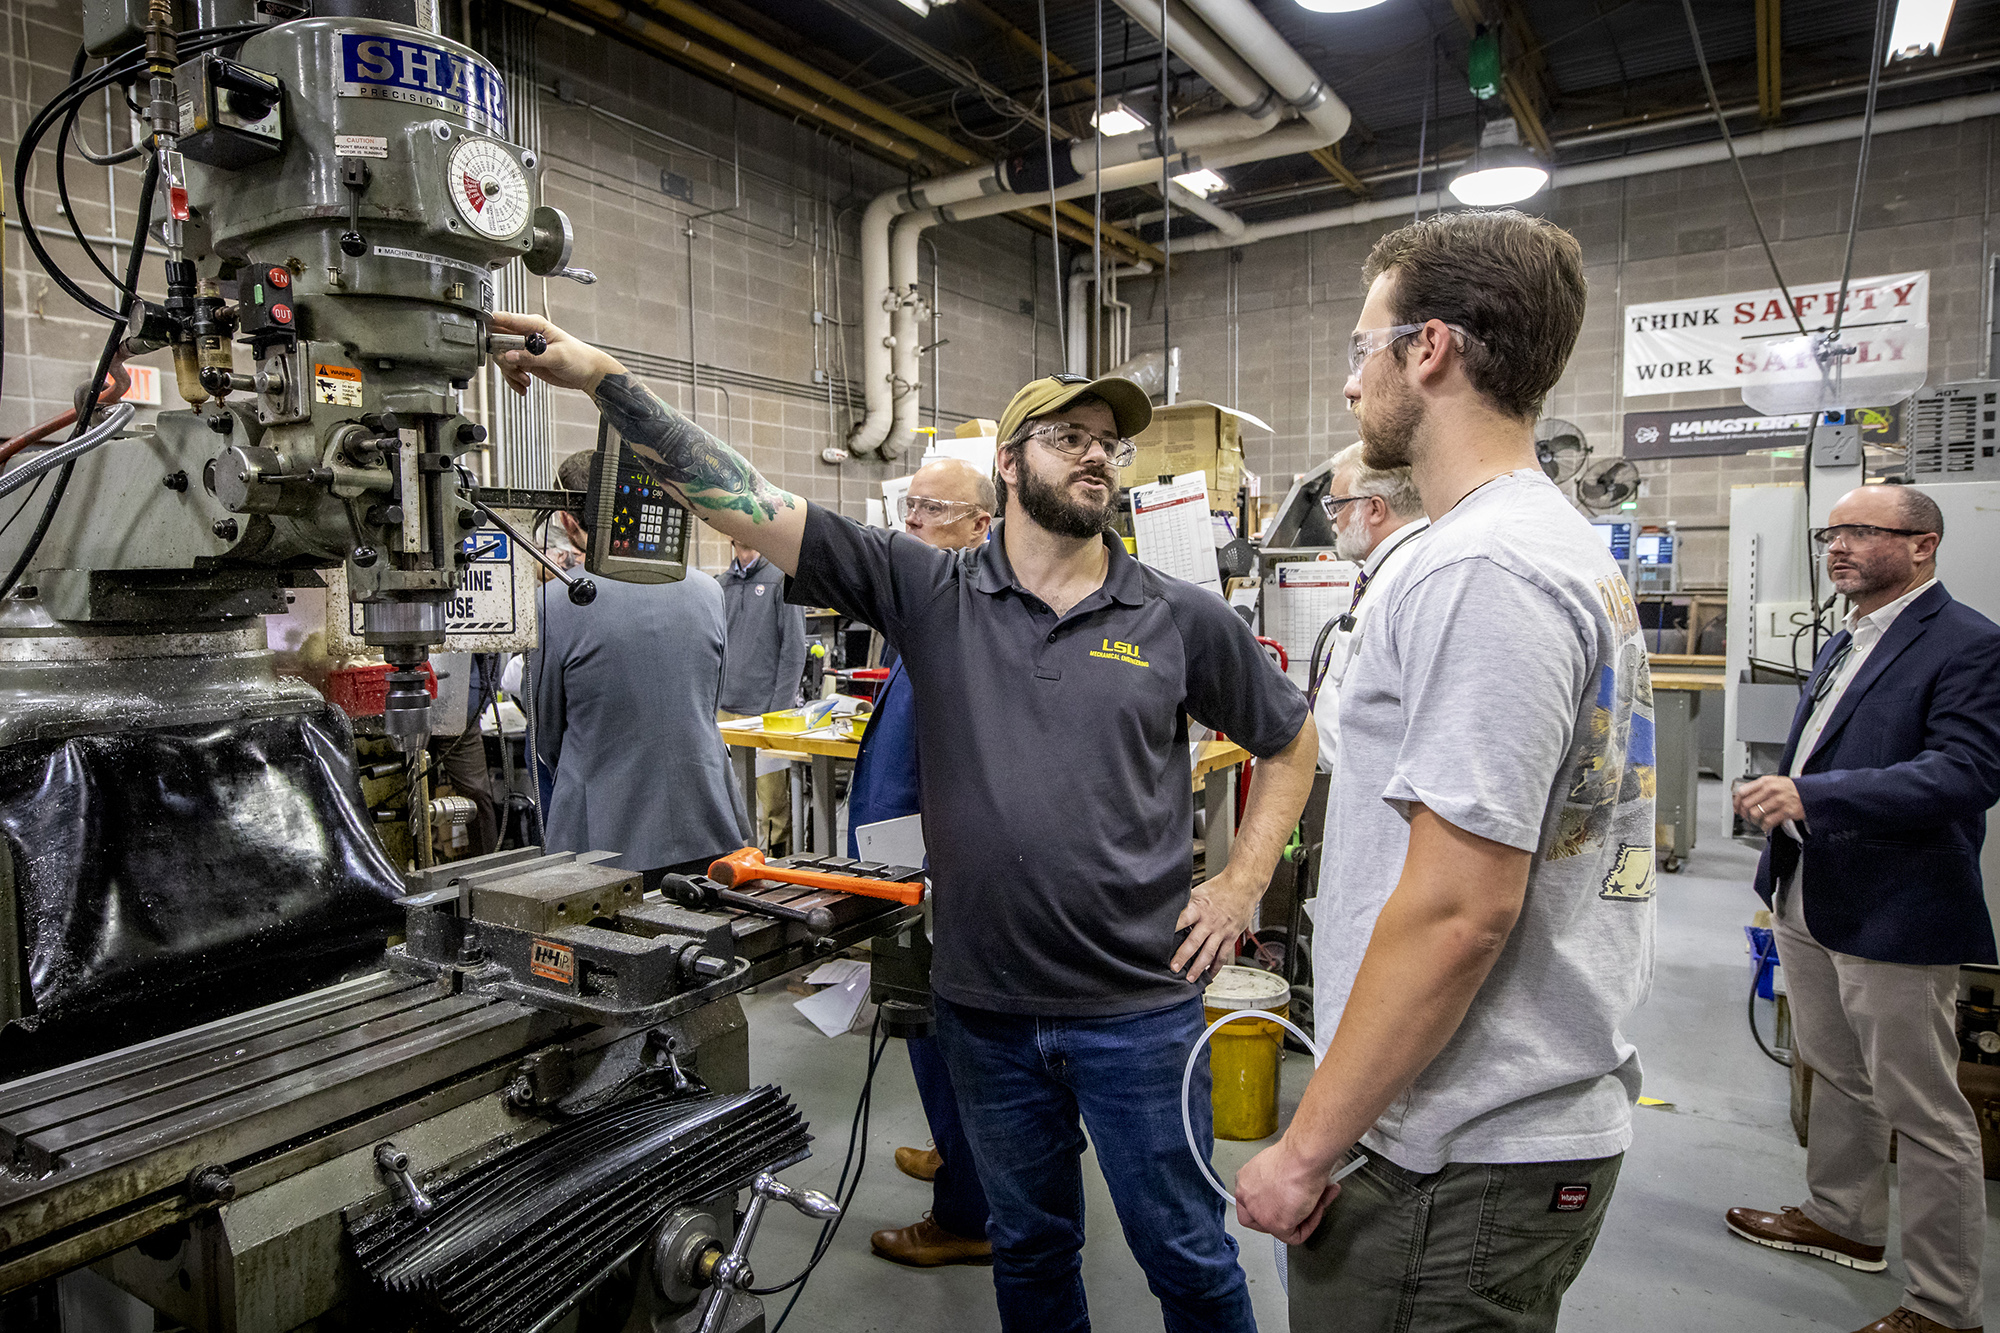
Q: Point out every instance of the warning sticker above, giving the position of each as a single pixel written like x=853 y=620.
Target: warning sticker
x=338 y=385
x=360 y=145
x=553 y=962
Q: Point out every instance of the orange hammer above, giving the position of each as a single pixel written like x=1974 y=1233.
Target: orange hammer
x=740 y=867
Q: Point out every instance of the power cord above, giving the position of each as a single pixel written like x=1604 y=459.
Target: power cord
x=845 y=1190
x=1764 y=955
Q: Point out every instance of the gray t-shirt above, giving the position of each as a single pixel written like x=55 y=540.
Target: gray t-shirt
x=1503 y=684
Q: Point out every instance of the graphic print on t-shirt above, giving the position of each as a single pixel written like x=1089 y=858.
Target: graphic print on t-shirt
x=1614 y=764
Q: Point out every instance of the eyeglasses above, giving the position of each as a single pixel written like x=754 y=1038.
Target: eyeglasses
x=1364 y=343
x=939 y=512
x=1076 y=441
x=1333 y=504
x=1855 y=534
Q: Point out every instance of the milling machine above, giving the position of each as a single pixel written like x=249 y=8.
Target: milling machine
x=217 y=1087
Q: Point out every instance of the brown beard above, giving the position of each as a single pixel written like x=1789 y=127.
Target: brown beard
x=1390 y=427
x=1051 y=506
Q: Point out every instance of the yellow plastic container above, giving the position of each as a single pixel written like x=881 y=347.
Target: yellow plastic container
x=1243 y=1055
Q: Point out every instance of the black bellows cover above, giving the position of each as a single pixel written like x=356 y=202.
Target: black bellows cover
x=515 y=1239
x=169 y=877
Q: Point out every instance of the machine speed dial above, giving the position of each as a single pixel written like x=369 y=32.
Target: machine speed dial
x=490 y=188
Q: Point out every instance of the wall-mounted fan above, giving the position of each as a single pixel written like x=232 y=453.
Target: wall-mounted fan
x=1560 y=448
x=1607 y=484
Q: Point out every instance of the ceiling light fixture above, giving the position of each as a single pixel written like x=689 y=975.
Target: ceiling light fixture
x=1337 y=6
x=1118 y=119
x=1918 y=29
x=922 y=8
x=1500 y=171
x=1203 y=182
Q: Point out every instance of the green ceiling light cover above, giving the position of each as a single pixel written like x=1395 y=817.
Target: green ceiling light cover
x=1482 y=64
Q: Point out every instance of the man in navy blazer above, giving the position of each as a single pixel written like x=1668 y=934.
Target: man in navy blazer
x=1875 y=823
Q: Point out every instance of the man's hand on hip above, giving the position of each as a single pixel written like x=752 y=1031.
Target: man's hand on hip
x=1769 y=801
x=1217 y=914
x=1280 y=1193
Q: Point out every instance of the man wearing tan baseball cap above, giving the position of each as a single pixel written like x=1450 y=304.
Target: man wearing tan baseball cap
x=1053 y=675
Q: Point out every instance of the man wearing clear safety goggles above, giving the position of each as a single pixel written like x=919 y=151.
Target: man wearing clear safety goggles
x=949 y=505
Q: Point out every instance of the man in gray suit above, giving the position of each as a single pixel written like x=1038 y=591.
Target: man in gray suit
x=625 y=698
x=767 y=657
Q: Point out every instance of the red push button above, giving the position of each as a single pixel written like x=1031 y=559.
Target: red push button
x=279 y=277
x=281 y=313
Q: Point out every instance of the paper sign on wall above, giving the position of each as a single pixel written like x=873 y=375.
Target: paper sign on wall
x=1171 y=527
x=1746 y=339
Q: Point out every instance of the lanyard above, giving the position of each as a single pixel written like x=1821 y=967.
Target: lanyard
x=1346 y=623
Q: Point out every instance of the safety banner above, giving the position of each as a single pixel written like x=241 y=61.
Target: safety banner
x=1745 y=339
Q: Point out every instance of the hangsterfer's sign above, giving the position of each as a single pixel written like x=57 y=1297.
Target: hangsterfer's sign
x=372 y=65
x=1750 y=338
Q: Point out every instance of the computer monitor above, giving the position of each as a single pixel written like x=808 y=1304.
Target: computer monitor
x=1617 y=536
x=1654 y=548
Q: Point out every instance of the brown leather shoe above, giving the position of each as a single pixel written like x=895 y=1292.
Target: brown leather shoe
x=1793 y=1230
x=928 y=1245
x=1901 y=1320
x=919 y=1163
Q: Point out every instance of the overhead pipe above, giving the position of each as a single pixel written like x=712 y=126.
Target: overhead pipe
x=1080 y=279
x=1207 y=54
x=1251 y=35
x=906 y=323
x=1258 y=79
x=1781 y=139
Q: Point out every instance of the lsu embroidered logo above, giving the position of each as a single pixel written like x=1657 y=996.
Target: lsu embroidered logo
x=1632 y=878
x=1115 y=650
x=760 y=588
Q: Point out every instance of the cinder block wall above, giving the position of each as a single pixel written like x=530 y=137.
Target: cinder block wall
x=1648 y=238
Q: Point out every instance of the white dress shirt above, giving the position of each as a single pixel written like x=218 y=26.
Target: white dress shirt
x=1864 y=633
x=1389 y=555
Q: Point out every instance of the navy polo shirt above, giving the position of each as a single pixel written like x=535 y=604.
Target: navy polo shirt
x=1057 y=791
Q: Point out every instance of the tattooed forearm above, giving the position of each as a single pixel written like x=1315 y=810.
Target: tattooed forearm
x=707 y=472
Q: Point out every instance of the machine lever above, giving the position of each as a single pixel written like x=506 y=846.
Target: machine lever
x=395 y=1163
x=582 y=275
x=354 y=175
x=534 y=344
x=582 y=592
x=699 y=893
x=732 y=1272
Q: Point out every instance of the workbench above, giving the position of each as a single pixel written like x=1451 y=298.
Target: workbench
x=1679 y=681
x=822 y=748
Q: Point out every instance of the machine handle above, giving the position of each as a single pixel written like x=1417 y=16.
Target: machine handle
x=748 y=863
x=582 y=592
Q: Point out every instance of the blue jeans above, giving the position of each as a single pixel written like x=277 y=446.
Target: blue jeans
x=958 y=1203
x=1022 y=1083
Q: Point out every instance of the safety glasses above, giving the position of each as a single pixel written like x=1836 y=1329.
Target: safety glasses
x=1364 y=343
x=939 y=512
x=1076 y=441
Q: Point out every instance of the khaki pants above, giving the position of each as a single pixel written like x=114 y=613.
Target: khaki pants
x=771 y=825
x=1881 y=1042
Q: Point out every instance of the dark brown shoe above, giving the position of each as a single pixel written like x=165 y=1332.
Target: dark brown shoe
x=1793 y=1230
x=928 y=1245
x=919 y=1163
x=1901 y=1320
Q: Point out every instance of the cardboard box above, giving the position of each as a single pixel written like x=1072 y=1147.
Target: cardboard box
x=1194 y=437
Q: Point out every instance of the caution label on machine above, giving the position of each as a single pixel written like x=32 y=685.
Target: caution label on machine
x=337 y=385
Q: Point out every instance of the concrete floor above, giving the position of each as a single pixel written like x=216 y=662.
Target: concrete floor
x=1663 y=1265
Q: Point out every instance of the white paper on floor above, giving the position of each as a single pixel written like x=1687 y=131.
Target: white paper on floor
x=834 y=1009
x=837 y=971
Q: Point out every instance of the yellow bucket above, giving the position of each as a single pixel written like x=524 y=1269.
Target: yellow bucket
x=1243 y=1055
